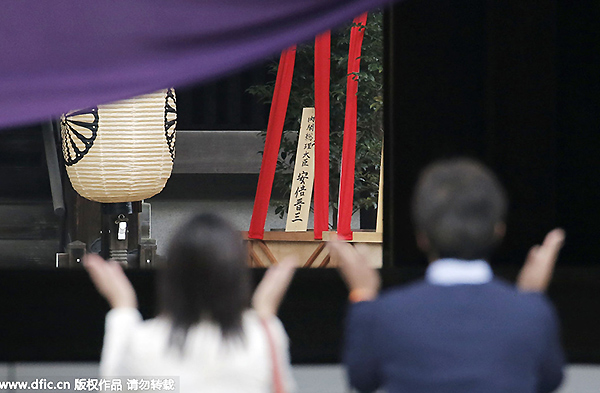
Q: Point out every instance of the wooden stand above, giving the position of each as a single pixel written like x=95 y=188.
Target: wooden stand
x=310 y=252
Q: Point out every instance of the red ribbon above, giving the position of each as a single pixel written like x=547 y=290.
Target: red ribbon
x=346 y=199
x=281 y=96
x=322 y=78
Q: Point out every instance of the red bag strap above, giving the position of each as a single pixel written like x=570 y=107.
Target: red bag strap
x=277 y=380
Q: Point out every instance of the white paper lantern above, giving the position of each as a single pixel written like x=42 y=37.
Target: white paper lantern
x=123 y=151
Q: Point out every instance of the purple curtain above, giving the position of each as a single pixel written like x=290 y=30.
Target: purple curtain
x=60 y=55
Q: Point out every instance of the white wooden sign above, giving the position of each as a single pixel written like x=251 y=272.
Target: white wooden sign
x=304 y=175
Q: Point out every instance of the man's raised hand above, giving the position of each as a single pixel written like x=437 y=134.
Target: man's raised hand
x=362 y=281
x=537 y=272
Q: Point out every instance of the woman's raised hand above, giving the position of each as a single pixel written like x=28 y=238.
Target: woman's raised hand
x=110 y=281
x=271 y=289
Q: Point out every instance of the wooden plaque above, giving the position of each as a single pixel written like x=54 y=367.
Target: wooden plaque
x=304 y=176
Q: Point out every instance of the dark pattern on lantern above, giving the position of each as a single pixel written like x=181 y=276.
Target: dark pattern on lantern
x=170 y=120
x=78 y=132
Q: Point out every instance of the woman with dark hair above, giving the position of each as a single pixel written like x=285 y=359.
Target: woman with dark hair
x=209 y=332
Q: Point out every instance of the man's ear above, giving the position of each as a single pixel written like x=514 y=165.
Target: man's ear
x=500 y=230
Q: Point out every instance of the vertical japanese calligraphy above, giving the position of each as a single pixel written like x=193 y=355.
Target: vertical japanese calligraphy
x=302 y=182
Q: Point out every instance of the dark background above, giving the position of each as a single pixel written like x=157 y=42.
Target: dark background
x=513 y=83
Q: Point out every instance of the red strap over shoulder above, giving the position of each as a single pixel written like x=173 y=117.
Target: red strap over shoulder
x=277 y=380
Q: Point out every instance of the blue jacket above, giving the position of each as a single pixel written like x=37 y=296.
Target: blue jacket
x=483 y=338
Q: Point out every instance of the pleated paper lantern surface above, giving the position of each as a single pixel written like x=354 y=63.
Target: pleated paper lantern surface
x=123 y=151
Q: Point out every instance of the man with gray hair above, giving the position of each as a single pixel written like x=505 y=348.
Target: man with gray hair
x=459 y=330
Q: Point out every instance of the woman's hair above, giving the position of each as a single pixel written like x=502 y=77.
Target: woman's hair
x=206 y=278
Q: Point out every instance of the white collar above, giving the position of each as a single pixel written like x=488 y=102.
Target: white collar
x=449 y=271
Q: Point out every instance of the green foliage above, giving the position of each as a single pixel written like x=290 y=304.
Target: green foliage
x=369 y=120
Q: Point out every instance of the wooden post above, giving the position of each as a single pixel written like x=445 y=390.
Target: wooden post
x=379 y=225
